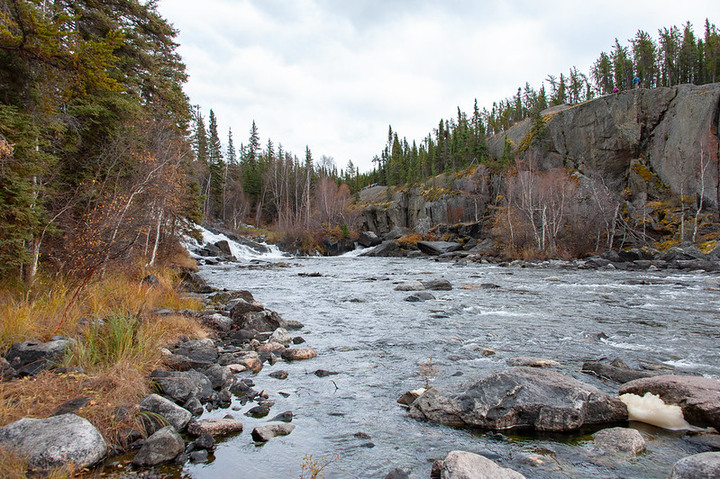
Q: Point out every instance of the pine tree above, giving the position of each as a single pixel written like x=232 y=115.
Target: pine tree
x=644 y=52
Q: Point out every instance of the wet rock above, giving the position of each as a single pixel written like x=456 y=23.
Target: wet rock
x=258 y=411
x=163 y=446
x=286 y=416
x=199 y=457
x=699 y=466
x=706 y=440
x=435 y=248
x=241 y=307
x=270 y=347
x=616 y=373
x=522 y=397
x=183 y=385
x=264 y=320
x=410 y=286
x=369 y=239
x=297 y=354
x=409 y=397
x=322 y=373
x=698 y=397
x=29 y=358
x=279 y=374
x=465 y=465
x=175 y=415
x=281 y=336
x=204 y=441
x=250 y=360
x=398 y=473
x=223 y=297
x=194 y=406
x=55 y=441
x=533 y=362
x=215 y=427
x=269 y=431
x=194 y=283
x=219 y=376
x=420 y=297
x=437 y=285
x=620 y=439
x=218 y=321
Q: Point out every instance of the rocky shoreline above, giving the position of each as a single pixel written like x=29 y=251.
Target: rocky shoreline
x=217 y=374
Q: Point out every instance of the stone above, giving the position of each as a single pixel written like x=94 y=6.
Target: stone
x=615 y=373
x=223 y=297
x=215 y=427
x=533 y=362
x=264 y=320
x=410 y=286
x=420 y=297
x=369 y=239
x=297 y=354
x=409 y=397
x=532 y=398
x=248 y=359
x=466 y=465
x=699 y=466
x=29 y=358
x=194 y=406
x=198 y=350
x=279 y=374
x=697 y=396
x=199 y=456
x=205 y=441
x=219 y=376
x=323 y=373
x=71 y=406
x=194 y=283
x=269 y=431
x=281 y=336
x=163 y=446
x=7 y=372
x=286 y=416
x=218 y=321
x=175 y=415
x=224 y=247
x=258 y=411
x=397 y=473
x=437 y=285
x=620 y=440
x=435 y=248
x=182 y=385
x=55 y=441
x=270 y=347
x=241 y=307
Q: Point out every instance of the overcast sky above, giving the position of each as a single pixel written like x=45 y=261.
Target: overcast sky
x=333 y=74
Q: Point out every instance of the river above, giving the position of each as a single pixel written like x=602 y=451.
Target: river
x=364 y=330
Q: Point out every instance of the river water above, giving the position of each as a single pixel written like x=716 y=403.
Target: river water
x=364 y=330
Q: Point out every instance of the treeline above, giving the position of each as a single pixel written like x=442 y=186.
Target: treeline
x=94 y=162
x=266 y=185
x=677 y=56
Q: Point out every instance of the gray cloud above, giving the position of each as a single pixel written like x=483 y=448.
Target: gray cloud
x=333 y=74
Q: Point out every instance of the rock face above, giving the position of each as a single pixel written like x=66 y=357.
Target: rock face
x=698 y=466
x=466 y=465
x=666 y=126
x=521 y=398
x=698 y=397
x=55 y=441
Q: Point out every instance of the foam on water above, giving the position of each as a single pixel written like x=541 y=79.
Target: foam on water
x=240 y=251
x=650 y=409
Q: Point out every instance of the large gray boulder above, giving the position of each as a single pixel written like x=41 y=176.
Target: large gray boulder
x=183 y=385
x=697 y=396
x=176 y=416
x=55 y=441
x=466 y=465
x=435 y=248
x=698 y=466
x=263 y=321
x=369 y=239
x=31 y=357
x=266 y=432
x=521 y=398
x=620 y=440
x=163 y=446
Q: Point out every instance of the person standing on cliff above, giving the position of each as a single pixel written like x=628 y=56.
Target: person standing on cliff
x=636 y=82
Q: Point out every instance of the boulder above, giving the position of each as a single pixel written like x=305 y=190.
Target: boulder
x=281 y=336
x=194 y=283
x=466 y=465
x=183 y=385
x=620 y=439
x=615 y=373
x=241 y=306
x=269 y=431
x=215 y=427
x=175 y=415
x=437 y=285
x=223 y=297
x=163 y=446
x=224 y=247
x=698 y=397
x=522 y=397
x=264 y=320
x=369 y=239
x=271 y=348
x=698 y=466
x=435 y=248
x=198 y=351
x=31 y=357
x=247 y=359
x=419 y=297
x=218 y=321
x=410 y=286
x=219 y=376
x=296 y=354
x=409 y=397
x=55 y=441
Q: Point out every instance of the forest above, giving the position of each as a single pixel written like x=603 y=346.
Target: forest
x=104 y=159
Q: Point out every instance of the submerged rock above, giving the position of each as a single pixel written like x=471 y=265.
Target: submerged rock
x=699 y=466
x=265 y=433
x=615 y=373
x=296 y=354
x=521 y=398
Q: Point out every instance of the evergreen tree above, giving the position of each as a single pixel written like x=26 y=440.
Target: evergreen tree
x=644 y=52
x=622 y=66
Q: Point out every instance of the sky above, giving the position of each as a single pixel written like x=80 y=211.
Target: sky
x=333 y=75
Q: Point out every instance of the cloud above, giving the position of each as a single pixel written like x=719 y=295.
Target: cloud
x=333 y=75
